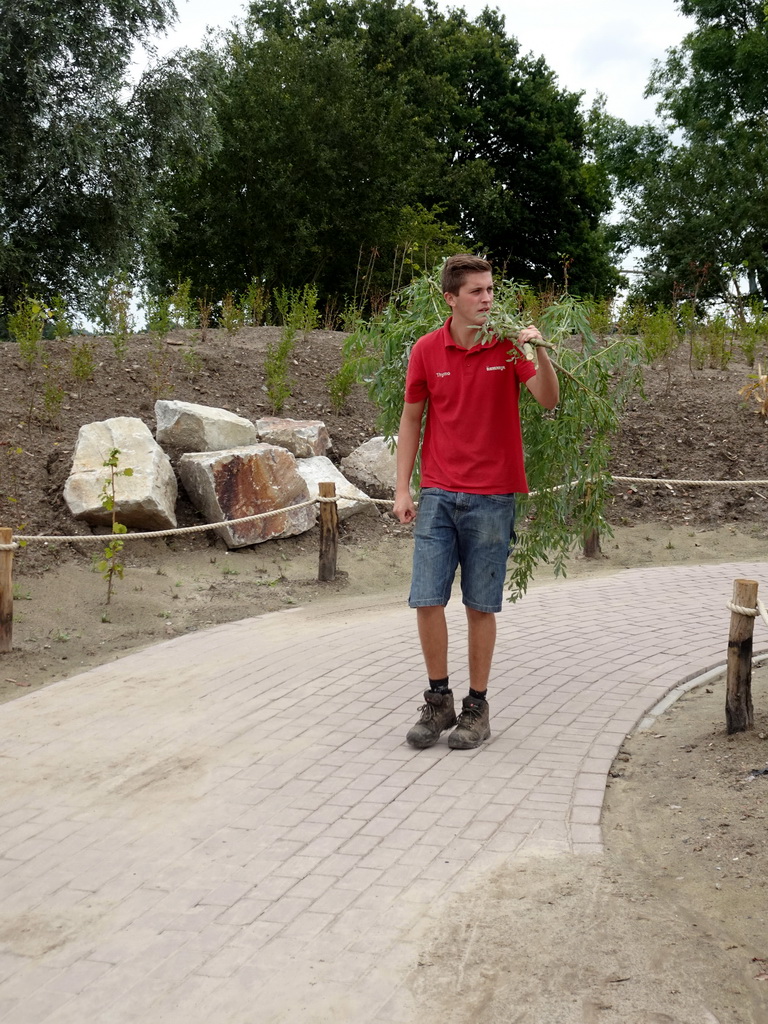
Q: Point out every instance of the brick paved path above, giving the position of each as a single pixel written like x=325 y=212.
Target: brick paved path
x=228 y=827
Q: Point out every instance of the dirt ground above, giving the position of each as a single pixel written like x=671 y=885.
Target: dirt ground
x=669 y=926
x=673 y=919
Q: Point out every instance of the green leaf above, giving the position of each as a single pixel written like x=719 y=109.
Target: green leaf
x=566 y=451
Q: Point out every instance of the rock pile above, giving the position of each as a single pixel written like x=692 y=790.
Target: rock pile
x=230 y=468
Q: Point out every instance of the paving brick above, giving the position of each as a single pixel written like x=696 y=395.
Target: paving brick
x=30 y=978
x=225 y=895
x=245 y=911
x=286 y=909
x=334 y=900
x=226 y=962
x=358 y=878
x=382 y=827
x=34 y=1007
x=307 y=853
x=586 y=815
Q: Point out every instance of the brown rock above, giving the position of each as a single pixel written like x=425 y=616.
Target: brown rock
x=247 y=481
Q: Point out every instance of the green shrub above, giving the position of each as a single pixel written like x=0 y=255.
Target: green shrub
x=25 y=325
x=718 y=342
x=660 y=334
x=254 y=303
x=159 y=320
x=82 y=363
x=231 y=318
x=62 y=327
x=182 y=305
x=753 y=331
x=340 y=385
x=276 y=373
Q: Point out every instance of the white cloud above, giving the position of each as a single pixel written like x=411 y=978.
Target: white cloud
x=593 y=46
x=597 y=46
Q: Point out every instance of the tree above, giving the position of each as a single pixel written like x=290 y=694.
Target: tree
x=567 y=451
x=697 y=197
x=313 y=169
x=78 y=146
x=337 y=114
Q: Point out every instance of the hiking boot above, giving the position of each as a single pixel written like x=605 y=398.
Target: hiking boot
x=473 y=726
x=436 y=715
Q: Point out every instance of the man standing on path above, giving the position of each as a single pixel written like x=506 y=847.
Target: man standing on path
x=471 y=468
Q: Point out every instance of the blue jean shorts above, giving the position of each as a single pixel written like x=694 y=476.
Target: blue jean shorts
x=474 y=531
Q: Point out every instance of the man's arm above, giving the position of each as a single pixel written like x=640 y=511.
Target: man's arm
x=408 y=438
x=545 y=387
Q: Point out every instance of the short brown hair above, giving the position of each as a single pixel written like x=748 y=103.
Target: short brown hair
x=456 y=268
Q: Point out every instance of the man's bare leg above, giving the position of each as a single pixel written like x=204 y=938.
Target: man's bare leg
x=438 y=712
x=474 y=726
x=481 y=628
x=433 y=634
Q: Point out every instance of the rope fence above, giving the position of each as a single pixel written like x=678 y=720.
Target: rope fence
x=760 y=610
x=688 y=483
x=180 y=531
x=21 y=540
x=745 y=606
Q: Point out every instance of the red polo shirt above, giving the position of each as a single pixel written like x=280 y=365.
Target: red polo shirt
x=472 y=439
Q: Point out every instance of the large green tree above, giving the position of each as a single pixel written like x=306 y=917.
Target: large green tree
x=336 y=115
x=696 y=186
x=80 y=148
x=310 y=170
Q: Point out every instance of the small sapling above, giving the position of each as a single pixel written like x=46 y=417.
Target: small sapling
x=108 y=562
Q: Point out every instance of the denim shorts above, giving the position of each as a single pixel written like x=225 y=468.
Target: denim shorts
x=474 y=531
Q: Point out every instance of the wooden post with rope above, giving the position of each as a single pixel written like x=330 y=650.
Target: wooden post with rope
x=329 y=533
x=6 y=591
x=591 y=537
x=739 y=714
x=592 y=544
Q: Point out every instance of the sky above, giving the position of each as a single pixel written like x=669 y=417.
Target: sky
x=593 y=46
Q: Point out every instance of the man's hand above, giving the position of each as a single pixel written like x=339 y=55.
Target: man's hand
x=407 y=447
x=404 y=508
x=529 y=334
x=544 y=385
x=525 y=339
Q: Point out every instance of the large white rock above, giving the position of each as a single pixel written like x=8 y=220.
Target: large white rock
x=247 y=481
x=146 y=500
x=373 y=466
x=319 y=470
x=304 y=438
x=201 y=428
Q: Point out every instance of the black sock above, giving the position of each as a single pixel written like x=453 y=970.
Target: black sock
x=439 y=685
x=477 y=694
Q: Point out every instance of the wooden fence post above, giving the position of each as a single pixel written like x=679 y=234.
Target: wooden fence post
x=591 y=537
x=329 y=533
x=739 y=715
x=6 y=592
x=592 y=544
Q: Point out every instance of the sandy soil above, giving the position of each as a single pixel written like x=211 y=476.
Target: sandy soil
x=669 y=926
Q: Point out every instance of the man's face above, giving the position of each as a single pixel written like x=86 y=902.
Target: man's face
x=473 y=303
